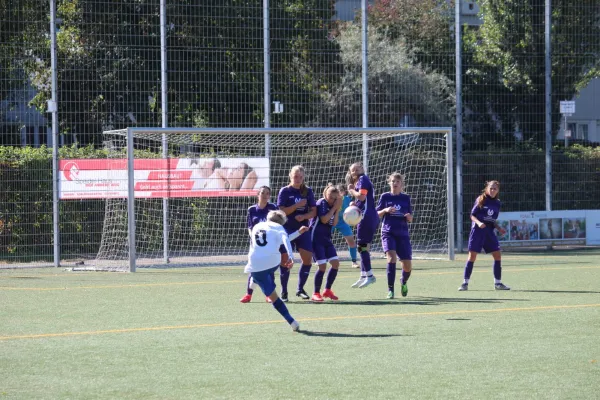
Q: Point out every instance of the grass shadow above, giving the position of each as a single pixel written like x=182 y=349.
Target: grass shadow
x=417 y=301
x=348 y=335
x=560 y=291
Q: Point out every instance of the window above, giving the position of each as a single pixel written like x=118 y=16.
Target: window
x=582 y=132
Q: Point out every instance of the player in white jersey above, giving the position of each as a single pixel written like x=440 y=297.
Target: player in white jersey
x=264 y=259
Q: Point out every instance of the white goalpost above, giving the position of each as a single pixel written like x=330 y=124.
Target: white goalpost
x=212 y=176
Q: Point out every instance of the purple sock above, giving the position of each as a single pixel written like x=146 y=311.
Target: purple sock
x=498 y=270
x=391 y=275
x=468 y=269
x=284 y=276
x=303 y=276
x=279 y=305
x=331 y=275
x=319 y=280
x=249 y=289
x=365 y=258
x=405 y=276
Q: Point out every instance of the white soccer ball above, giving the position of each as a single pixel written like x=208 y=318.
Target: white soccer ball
x=352 y=215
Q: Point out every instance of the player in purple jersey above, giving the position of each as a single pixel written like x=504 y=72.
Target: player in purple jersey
x=395 y=209
x=256 y=214
x=361 y=188
x=323 y=249
x=298 y=202
x=482 y=237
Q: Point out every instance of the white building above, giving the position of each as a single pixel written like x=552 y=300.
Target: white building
x=584 y=124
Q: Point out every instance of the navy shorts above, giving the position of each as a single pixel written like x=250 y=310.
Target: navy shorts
x=265 y=280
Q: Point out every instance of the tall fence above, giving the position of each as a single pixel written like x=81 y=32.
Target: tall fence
x=282 y=63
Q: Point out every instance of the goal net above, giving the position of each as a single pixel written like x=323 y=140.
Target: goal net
x=190 y=206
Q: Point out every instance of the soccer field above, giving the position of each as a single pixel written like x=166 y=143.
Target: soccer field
x=182 y=334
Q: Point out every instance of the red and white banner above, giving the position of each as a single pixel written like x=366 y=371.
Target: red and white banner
x=163 y=178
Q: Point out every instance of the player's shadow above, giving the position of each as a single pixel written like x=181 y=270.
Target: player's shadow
x=559 y=291
x=348 y=335
x=417 y=301
x=23 y=277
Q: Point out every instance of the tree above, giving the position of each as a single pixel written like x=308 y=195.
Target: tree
x=21 y=20
x=425 y=26
x=109 y=63
x=505 y=76
x=397 y=85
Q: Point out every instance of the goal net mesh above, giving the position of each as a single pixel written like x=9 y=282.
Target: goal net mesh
x=210 y=180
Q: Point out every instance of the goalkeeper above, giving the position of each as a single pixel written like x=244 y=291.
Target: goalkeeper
x=343 y=228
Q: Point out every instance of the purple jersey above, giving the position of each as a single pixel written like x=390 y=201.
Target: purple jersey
x=257 y=214
x=395 y=223
x=367 y=206
x=288 y=196
x=321 y=232
x=488 y=214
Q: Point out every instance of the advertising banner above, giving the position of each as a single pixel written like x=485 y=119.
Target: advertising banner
x=163 y=178
x=549 y=228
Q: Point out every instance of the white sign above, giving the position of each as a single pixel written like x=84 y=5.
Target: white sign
x=567 y=107
x=547 y=228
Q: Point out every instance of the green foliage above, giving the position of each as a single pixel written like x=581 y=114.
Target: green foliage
x=20 y=21
x=578 y=151
x=505 y=55
x=398 y=85
x=422 y=25
x=109 y=63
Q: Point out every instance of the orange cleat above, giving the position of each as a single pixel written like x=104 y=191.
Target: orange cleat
x=329 y=294
x=246 y=298
x=316 y=298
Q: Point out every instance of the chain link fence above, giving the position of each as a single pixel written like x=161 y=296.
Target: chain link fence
x=112 y=59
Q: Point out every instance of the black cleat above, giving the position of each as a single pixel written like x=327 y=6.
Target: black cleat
x=284 y=297
x=302 y=294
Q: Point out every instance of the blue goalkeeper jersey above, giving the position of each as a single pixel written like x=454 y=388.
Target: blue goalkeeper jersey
x=345 y=204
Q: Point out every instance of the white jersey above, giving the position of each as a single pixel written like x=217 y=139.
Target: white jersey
x=265 y=240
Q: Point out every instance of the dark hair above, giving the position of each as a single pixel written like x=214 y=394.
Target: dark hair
x=216 y=162
x=247 y=170
x=260 y=189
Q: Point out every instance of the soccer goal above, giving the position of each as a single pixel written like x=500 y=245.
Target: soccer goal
x=179 y=196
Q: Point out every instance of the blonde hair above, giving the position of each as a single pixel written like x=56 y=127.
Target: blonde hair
x=396 y=175
x=277 y=216
x=349 y=178
x=330 y=188
x=481 y=198
x=303 y=187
